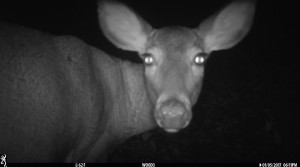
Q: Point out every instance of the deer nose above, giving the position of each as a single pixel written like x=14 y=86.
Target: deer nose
x=173 y=115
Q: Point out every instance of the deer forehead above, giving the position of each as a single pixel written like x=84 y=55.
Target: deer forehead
x=174 y=43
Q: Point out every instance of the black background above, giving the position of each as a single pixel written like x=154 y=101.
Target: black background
x=248 y=109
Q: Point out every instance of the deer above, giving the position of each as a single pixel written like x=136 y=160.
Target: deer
x=62 y=100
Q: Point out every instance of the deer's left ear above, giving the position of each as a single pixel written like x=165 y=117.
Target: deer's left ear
x=123 y=27
x=228 y=27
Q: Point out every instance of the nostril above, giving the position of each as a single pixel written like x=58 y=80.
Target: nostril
x=186 y=123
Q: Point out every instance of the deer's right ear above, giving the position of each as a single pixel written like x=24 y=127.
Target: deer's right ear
x=123 y=27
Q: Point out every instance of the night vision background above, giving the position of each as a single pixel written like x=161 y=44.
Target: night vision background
x=248 y=110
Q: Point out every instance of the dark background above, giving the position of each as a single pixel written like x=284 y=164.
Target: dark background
x=248 y=110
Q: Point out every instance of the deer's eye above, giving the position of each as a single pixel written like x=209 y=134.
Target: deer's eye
x=200 y=58
x=148 y=59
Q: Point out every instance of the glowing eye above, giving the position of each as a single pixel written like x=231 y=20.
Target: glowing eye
x=199 y=59
x=148 y=59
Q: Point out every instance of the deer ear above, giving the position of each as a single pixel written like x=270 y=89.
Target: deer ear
x=123 y=27
x=228 y=27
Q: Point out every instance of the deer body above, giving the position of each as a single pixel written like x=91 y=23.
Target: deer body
x=57 y=97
